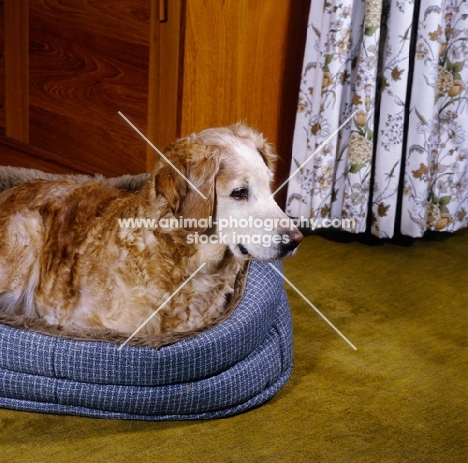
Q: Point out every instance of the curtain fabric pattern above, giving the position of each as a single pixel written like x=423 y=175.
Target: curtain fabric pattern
x=398 y=68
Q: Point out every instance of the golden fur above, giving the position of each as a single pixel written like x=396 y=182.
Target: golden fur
x=65 y=257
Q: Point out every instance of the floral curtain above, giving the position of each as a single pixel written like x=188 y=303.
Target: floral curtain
x=396 y=72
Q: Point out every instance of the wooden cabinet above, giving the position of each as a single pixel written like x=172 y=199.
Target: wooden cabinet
x=171 y=66
x=78 y=62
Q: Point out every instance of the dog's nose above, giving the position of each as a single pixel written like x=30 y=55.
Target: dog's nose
x=291 y=240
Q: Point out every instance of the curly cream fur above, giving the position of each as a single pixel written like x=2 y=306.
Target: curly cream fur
x=65 y=257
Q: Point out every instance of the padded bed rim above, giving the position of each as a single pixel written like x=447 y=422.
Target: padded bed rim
x=41 y=407
x=191 y=359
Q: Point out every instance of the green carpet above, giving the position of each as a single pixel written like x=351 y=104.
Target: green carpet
x=401 y=397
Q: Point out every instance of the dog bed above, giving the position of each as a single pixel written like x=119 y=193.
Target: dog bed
x=237 y=364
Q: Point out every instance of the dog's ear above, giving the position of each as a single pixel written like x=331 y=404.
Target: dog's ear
x=268 y=154
x=198 y=164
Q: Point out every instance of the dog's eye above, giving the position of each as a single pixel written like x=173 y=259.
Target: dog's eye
x=240 y=193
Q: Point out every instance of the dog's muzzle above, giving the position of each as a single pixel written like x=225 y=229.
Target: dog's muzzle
x=291 y=240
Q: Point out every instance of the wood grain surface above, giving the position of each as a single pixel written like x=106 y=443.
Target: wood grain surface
x=190 y=65
x=245 y=66
x=89 y=60
x=17 y=154
x=165 y=74
x=235 y=57
x=235 y=60
x=2 y=67
x=16 y=69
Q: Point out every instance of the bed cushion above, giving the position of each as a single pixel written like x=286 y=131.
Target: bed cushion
x=237 y=365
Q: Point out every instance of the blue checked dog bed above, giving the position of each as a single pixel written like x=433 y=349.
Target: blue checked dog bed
x=237 y=365
x=232 y=367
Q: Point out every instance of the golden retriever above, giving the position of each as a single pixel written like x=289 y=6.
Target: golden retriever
x=69 y=254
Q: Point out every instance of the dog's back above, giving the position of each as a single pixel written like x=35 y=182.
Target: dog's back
x=41 y=224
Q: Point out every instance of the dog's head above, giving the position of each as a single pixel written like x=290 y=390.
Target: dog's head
x=233 y=168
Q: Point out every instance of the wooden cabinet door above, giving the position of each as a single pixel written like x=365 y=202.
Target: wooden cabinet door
x=171 y=66
x=217 y=62
x=85 y=61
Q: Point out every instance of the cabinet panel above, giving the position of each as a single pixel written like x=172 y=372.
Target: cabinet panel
x=89 y=60
x=198 y=64
x=16 y=69
x=240 y=60
x=17 y=154
x=2 y=68
x=166 y=74
x=233 y=67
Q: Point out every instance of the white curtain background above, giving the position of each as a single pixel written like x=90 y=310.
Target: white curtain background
x=400 y=164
